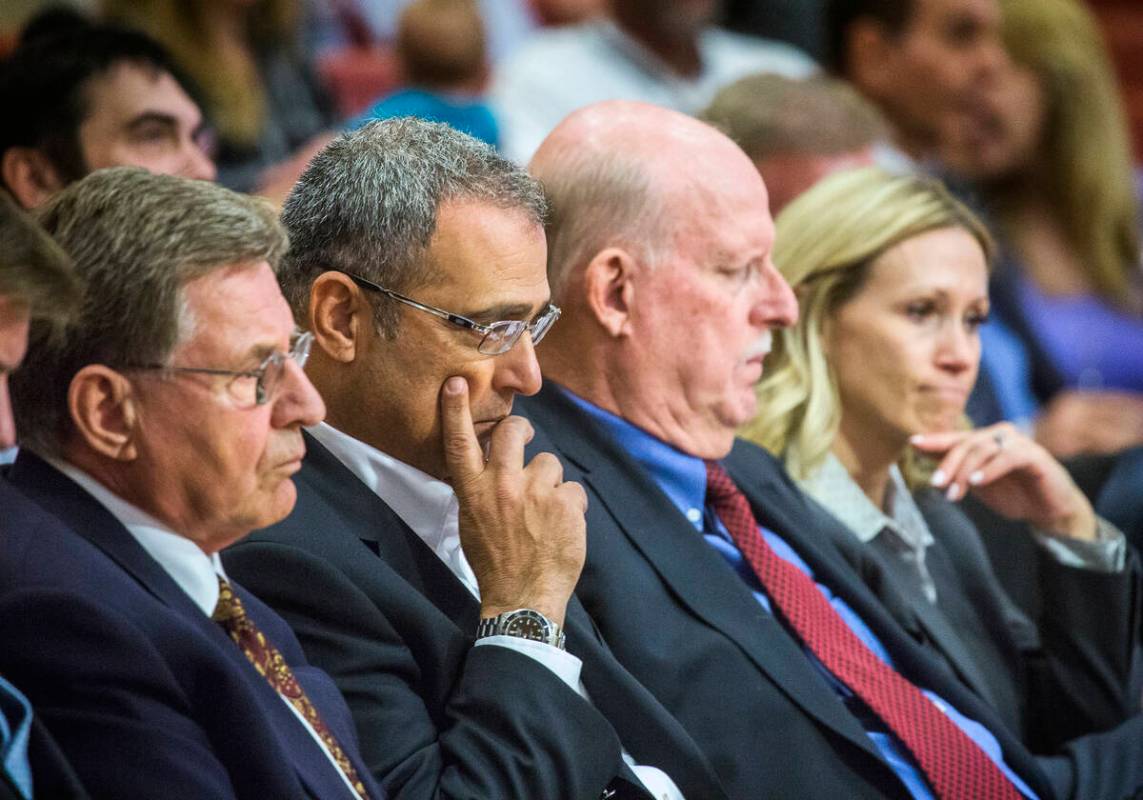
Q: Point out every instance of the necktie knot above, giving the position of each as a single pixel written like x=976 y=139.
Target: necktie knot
x=229 y=609
x=719 y=486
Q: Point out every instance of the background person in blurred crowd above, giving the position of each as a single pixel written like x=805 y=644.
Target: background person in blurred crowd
x=404 y=523
x=257 y=89
x=663 y=52
x=162 y=425
x=1048 y=155
x=751 y=625
x=892 y=279
x=918 y=61
x=81 y=96
x=444 y=67
x=35 y=279
x=796 y=131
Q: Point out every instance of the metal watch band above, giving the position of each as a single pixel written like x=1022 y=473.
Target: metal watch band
x=523 y=623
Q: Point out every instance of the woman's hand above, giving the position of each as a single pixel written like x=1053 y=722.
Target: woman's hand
x=1012 y=475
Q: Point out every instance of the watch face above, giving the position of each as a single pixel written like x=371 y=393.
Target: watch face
x=528 y=624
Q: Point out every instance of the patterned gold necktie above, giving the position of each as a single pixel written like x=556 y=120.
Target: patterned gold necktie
x=266 y=658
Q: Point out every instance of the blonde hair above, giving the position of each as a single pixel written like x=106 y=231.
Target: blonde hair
x=235 y=99
x=825 y=242
x=1085 y=136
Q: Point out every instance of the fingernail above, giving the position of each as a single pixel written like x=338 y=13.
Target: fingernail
x=954 y=492
x=454 y=385
x=916 y=438
x=976 y=477
x=938 y=478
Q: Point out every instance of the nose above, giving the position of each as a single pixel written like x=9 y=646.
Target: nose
x=297 y=401
x=7 y=423
x=518 y=371
x=958 y=349
x=775 y=305
x=199 y=165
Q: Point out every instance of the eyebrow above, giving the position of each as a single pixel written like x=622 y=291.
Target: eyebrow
x=150 y=117
x=507 y=311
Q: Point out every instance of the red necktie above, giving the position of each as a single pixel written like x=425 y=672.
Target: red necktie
x=268 y=660
x=953 y=764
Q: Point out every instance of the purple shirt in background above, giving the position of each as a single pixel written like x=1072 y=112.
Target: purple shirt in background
x=1092 y=344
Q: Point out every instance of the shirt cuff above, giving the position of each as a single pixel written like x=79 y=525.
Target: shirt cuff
x=566 y=666
x=1106 y=553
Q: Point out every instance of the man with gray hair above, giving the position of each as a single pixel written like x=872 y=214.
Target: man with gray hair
x=796 y=131
x=417 y=261
x=36 y=279
x=163 y=424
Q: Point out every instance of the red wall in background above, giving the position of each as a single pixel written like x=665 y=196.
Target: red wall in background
x=1123 y=26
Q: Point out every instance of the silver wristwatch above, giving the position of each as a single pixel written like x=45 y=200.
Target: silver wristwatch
x=524 y=623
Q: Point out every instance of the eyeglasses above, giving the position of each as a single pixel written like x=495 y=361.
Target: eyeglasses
x=497 y=337
x=264 y=380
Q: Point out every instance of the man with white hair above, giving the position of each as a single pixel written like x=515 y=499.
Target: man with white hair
x=712 y=576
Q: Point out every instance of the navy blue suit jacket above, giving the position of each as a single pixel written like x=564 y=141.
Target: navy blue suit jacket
x=374 y=606
x=143 y=692
x=730 y=672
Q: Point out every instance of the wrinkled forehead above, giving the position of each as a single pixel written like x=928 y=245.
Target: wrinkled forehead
x=725 y=215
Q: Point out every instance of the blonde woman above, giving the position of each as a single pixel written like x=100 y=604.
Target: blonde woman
x=1048 y=154
x=891 y=275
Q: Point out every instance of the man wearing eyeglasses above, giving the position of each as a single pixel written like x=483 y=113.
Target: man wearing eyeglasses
x=426 y=567
x=162 y=425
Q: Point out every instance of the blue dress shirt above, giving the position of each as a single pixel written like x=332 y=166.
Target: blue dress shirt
x=682 y=478
x=15 y=728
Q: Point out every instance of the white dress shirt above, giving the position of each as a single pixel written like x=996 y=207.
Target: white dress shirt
x=195 y=572
x=429 y=507
x=561 y=69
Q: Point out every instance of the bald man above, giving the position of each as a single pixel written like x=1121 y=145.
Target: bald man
x=706 y=567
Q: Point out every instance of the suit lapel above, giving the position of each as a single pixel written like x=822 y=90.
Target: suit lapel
x=695 y=572
x=387 y=535
x=87 y=517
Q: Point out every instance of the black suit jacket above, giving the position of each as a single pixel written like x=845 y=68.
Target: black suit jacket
x=52 y=775
x=728 y=670
x=1065 y=675
x=383 y=614
x=143 y=692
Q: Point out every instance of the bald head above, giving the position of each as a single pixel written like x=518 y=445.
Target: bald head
x=626 y=174
x=659 y=254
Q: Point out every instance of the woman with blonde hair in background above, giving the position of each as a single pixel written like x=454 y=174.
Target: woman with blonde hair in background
x=864 y=401
x=1048 y=155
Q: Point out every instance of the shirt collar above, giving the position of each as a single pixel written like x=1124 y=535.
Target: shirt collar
x=832 y=486
x=195 y=572
x=425 y=504
x=681 y=476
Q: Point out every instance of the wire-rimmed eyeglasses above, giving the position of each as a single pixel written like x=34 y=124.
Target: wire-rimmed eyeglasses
x=265 y=379
x=496 y=338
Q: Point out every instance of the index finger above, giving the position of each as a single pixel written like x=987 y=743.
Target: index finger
x=463 y=454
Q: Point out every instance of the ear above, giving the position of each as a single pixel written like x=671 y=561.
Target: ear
x=609 y=289
x=104 y=411
x=868 y=62
x=339 y=315
x=29 y=176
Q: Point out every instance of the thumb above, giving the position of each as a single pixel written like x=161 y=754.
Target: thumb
x=463 y=454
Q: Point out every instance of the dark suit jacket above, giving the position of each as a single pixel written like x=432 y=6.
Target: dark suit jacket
x=1063 y=676
x=52 y=775
x=378 y=609
x=145 y=695
x=728 y=670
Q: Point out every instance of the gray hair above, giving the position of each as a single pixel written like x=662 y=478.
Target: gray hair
x=368 y=203
x=34 y=271
x=597 y=198
x=136 y=239
x=768 y=115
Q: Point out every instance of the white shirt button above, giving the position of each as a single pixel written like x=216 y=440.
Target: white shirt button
x=694 y=514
